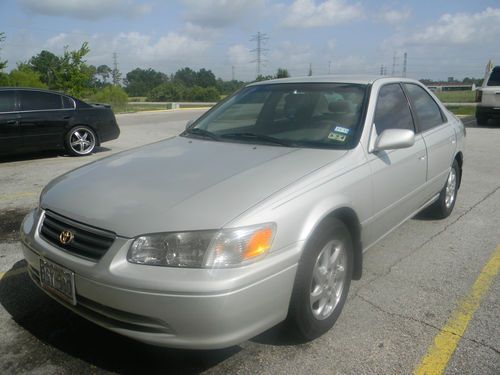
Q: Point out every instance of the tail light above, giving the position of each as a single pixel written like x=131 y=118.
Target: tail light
x=479 y=96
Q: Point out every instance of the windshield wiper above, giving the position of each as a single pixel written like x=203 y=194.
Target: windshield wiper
x=258 y=138
x=203 y=133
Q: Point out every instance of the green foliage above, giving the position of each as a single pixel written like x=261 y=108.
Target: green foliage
x=23 y=76
x=113 y=95
x=74 y=76
x=260 y=77
x=228 y=87
x=174 y=91
x=205 y=78
x=282 y=73
x=104 y=72
x=46 y=64
x=140 y=82
x=188 y=77
x=3 y=63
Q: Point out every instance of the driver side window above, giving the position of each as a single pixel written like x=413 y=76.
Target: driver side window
x=392 y=111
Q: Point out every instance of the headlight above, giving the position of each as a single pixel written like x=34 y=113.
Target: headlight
x=203 y=249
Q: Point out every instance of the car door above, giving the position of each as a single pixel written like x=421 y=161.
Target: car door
x=399 y=175
x=438 y=134
x=10 y=135
x=43 y=119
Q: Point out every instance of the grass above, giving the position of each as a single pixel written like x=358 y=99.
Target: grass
x=131 y=108
x=467 y=96
x=463 y=110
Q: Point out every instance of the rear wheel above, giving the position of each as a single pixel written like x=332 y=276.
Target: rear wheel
x=80 y=141
x=322 y=282
x=481 y=120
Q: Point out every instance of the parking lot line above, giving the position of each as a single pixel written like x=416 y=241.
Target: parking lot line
x=446 y=341
x=15 y=272
x=20 y=194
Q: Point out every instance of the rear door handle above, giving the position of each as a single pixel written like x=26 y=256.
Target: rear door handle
x=421 y=157
x=11 y=122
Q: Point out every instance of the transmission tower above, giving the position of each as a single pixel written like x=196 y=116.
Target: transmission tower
x=404 y=64
x=394 y=59
x=115 y=73
x=260 y=51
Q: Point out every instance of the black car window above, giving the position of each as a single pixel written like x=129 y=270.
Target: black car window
x=68 y=102
x=7 y=101
x=35 y=100
x=392 y=111
x=494 y=79
x=427 y=110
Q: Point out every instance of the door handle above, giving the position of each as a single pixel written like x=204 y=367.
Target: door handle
x=421 y=157
x=453 y=142
x=11 y=122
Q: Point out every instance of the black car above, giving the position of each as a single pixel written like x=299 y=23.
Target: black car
x=33 y=119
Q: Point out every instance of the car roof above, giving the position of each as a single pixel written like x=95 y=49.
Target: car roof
x=35 y=89
x=335 y=78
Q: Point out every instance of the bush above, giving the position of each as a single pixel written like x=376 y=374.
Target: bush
x=113 y=95
x=173 y=92
x=24 y=78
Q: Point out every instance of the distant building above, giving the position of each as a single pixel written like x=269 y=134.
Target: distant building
x=450 y=86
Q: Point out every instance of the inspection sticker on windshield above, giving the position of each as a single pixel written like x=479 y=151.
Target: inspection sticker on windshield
x=337 y=137
x=340 y=129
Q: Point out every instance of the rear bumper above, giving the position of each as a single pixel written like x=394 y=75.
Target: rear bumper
x=182 y=308
x=488 y=112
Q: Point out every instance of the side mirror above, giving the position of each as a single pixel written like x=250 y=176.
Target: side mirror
x=391 y=139
x=189 y=123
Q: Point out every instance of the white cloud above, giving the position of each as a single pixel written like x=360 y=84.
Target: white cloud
x=166 y=53
x=88 y=9
x=239 y=54
x=393 y=16
x=455 y=29
x=306 y=13
x=221 y=13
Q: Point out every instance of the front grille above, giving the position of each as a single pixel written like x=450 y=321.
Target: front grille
x=88 y=242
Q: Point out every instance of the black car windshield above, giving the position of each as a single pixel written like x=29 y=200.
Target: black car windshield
x=324 y=115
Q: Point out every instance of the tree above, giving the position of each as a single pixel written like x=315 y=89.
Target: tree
x=104 y=72
x=205 y=78
x=3 y=63
x=46 y=64
x=24 y=76
x=282 y=73
x=167 y=92
x=260 y=77
x=187 y=76
x=74 y=75
x=139 y=82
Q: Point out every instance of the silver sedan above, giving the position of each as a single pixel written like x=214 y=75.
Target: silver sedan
x=260 y=211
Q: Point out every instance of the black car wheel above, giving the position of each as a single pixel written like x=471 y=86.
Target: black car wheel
x=80 y=141
x=322 y=282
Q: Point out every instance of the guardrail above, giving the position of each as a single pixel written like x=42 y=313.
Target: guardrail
x=176 y=105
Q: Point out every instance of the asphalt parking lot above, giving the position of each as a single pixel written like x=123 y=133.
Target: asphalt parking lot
x=429 y=281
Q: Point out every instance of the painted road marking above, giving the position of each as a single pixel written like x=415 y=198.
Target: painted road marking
x=17 y=195
x=446 y=341
x=17 y=271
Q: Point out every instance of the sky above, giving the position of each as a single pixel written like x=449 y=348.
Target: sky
x=441 y=38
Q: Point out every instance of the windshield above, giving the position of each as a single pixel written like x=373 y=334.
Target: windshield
x=295 y=115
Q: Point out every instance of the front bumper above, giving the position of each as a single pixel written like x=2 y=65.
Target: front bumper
x=173 y=307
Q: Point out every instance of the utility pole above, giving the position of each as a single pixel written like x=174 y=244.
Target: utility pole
x=115 y=73
x=404 y=64
x=394 y=58
x=310 y=69
x=261 y=39
x=330 y=67
x=232 y=73
x=382 y=69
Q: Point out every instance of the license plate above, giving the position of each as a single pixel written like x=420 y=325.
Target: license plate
x=58 y=280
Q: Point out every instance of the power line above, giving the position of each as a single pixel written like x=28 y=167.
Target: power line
x=404 y=64
x=261 y=39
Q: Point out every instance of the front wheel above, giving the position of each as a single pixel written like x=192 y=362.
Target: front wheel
x=80 y=141
x=322 y=282
x=444 y=205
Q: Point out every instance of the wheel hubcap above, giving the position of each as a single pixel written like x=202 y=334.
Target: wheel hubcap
x=328 y=279
x=82 y=141
x=451 y=186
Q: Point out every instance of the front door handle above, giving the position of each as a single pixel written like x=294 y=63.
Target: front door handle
x=421 y=157
x=11 y=122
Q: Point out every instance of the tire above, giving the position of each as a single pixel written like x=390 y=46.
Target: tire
x=80 y=141
x=481 y=120
x=443 y=207
x=320 y=290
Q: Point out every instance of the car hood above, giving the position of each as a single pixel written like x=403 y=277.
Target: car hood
x=178 y=184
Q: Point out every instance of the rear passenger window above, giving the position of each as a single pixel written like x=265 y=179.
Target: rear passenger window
x=392 y=111
x=68 y=102
x=426 y=109
x=34 y=100
x=7 y=101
